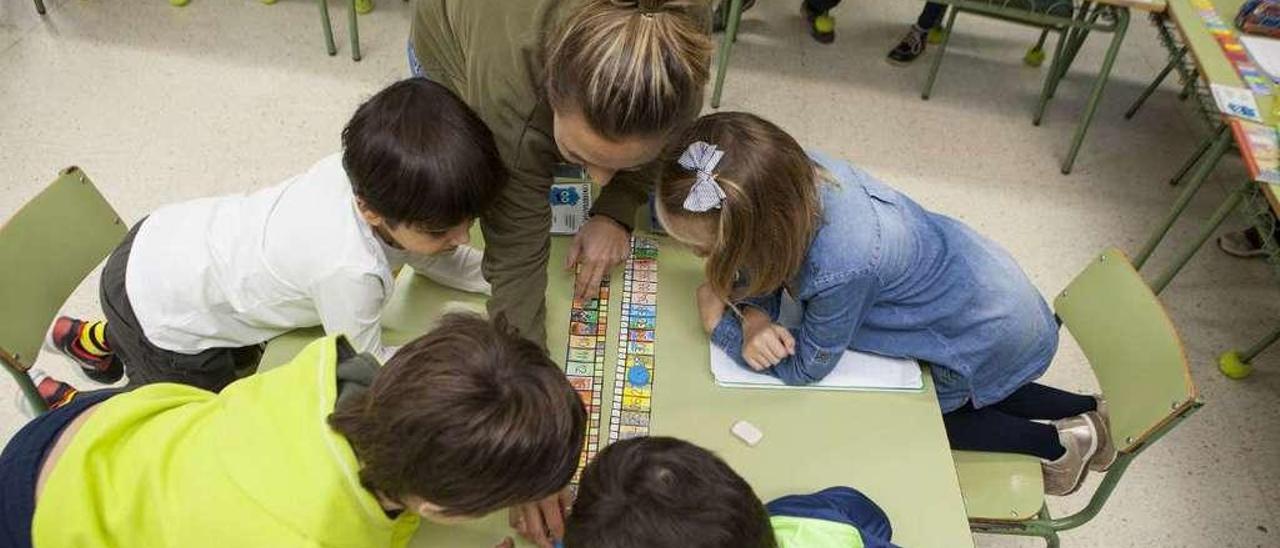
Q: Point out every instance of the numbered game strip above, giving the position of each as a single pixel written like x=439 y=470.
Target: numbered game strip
x=633 y=384
x=584 y=365
x=1225 y=34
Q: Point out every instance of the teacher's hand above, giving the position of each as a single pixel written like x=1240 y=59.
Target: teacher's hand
x=600 y=245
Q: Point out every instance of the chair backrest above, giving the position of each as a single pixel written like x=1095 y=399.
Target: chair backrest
x=47 y=248
x=1131 y=345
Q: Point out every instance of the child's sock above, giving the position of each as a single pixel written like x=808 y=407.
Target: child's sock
x=86 y=344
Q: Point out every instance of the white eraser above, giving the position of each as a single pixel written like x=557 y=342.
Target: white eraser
x=747 y=432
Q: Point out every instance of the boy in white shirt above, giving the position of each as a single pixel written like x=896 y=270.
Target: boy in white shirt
x=197 y=287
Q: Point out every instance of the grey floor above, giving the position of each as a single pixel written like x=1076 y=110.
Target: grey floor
x=160 y=104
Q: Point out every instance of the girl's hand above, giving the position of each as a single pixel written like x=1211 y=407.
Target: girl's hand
x=764 y=343
x=710 y=308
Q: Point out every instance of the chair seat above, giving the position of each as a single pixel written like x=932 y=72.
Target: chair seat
x=999 y=486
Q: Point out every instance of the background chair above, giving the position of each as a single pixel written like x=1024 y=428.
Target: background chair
x=48 y=247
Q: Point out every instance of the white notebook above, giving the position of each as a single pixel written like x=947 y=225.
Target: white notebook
x=855 y=371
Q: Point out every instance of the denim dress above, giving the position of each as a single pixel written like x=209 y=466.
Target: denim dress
x=884 y=275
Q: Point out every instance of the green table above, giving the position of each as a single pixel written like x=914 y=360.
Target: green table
x=892 y=446
x=1213 y=67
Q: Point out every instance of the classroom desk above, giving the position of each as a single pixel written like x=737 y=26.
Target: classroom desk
x=1213 y=67
x=891 y=446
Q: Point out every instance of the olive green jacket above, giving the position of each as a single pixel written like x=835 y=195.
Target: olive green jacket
x=490 y=53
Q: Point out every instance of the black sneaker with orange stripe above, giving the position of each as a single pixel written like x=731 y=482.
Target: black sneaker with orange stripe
x=54 y=392
x=86 y=344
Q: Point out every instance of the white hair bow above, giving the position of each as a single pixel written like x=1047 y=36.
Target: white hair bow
x=706 y=193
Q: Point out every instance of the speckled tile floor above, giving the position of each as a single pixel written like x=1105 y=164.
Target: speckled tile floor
x=160 y=104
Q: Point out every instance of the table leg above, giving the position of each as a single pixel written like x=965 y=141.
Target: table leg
x=1217 y=148
x=726 y=47
x=353 y=28
x=1216 y=220
x=1164 y=73
x=1122 y=24
x=942 y=49
x=328 y=27
x=1237 y=365
x=1050 y=78
x=1198 y=154
x=1086 y=15
x=1189 y=85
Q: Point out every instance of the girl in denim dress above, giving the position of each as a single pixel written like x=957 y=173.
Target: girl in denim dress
x=874 y=272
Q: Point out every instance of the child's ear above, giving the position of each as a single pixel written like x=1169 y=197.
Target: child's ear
x=369 y=215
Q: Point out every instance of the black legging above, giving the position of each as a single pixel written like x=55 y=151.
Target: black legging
x=1009 y=426
x=930 y=16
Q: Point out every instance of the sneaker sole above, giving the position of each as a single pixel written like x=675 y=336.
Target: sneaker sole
x=1096 y=463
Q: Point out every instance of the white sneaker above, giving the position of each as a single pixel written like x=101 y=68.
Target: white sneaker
x=459 y=270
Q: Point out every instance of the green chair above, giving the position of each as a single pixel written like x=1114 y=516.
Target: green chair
x=1072 y=20
x=48 y=247
x=1140 y=364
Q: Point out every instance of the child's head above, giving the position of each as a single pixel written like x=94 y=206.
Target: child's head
x=422 y=165
x=665 y=493
x=762 y=225
x=621 y=75
x=464 y=420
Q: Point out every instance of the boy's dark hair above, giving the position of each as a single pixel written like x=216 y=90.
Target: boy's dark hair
x=662 y=492
x=416 y=154
x=470 y=417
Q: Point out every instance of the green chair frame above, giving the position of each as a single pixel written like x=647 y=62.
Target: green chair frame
x=48 y=247
x=1072 y=20
x=353 y=26
x=1140 y=364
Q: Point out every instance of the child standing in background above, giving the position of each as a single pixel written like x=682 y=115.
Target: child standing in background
x=873 y=272
x=195 y=287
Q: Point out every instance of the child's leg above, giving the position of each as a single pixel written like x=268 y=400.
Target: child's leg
x=990 y=429
x=145 y=362
x=1040 y=402
x=931 y=15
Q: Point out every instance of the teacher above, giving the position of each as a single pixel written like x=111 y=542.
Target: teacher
x=597 y=83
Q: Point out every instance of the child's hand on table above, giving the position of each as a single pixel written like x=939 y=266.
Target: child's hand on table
x=764 y=343
x=710 y=308
x=541 y=522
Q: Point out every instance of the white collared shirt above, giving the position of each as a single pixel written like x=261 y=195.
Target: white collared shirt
x=235 y=271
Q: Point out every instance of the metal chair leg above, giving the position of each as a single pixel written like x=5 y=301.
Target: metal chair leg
x=353 y=28
x=1151 y=88
x=1049 y=79
x=28 y=386
x=1236 y=365
x=1122 y=24
x=942 y=49
x=1218 y=147
x=40 y=7
x=726 y=48
x=328 y=27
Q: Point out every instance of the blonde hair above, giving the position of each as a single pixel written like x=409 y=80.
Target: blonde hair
x=760 y=235
x=631 y=67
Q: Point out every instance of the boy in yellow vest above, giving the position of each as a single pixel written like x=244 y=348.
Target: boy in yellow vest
x=327 y=450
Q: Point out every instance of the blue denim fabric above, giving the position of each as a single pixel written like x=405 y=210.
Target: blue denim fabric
x=883 y=275
x=415 y=68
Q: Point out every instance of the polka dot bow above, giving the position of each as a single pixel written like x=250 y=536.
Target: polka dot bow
x=705 y=194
